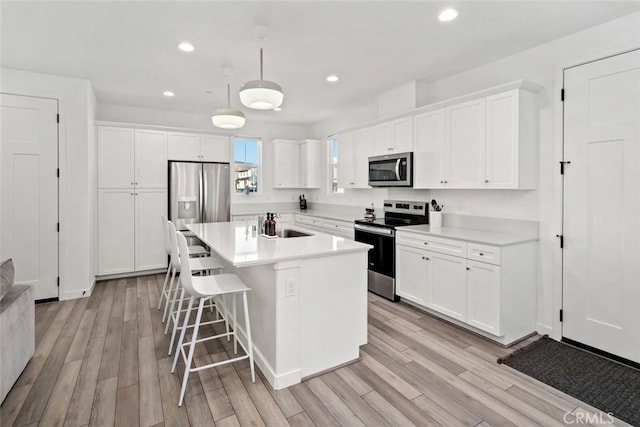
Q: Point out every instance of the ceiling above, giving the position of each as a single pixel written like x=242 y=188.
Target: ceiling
x=128 y=50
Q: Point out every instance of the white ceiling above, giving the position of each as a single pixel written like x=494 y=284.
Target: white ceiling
x=128 y=49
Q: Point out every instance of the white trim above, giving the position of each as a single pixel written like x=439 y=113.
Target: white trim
x=556 y=222
x=104 y=277
x=62 y=296
x=158 y=127
x=544 y=329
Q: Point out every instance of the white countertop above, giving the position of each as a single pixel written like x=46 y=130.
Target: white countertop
x=235 y=243
x=478 y=236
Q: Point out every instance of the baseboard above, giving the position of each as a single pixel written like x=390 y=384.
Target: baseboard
x=131 y=274
x=544 y=329
x=82 y=293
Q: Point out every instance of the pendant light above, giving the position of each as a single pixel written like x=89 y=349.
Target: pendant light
x=261 y=94
x=227 y=118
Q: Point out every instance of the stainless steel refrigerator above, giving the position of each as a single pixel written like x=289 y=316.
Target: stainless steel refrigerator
x=198 y=192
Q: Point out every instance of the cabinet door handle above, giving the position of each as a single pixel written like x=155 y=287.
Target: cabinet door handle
x=446 y=182
x=426 y=243
x=480 y=253
x=468 y=268
x=135 y=183
x=132 y=183
x=426 y=258
x=486 y=181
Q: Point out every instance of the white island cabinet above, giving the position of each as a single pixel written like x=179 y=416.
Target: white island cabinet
x=308 y=298
x=480 y=280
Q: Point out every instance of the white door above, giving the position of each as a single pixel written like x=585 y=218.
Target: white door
x=483 y=296
x=116 y=231
x=411 y=274
x=29 y=141
x=151 y=159
x=214 y=148
x=601 y=272
x=115 y=157
x=466 y=133
x=150 y=205
x=429 y=157
x=447 y=285
x=184 y=146
x=502 y=141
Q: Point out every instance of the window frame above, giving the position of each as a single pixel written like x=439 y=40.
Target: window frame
x=259 y=173
x=330 y=165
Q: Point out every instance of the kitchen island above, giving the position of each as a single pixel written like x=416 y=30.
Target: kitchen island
x=308 y=299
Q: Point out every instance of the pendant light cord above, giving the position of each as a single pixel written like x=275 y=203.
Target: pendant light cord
x=228 y=96
x=261 y=63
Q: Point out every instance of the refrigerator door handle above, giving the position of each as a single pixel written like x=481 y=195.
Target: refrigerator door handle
x=202 y=193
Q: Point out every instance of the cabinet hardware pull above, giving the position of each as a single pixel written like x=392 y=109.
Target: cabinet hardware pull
x=468 y=268
x=426 y=243
x=481 y=254
x=445 y=182
x=486 y=180
x=441 y=182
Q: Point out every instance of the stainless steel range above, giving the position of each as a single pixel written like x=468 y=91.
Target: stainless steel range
x=381 y=234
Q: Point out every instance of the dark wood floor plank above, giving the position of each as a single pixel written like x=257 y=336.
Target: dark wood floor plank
x=39 y=394
x=96 y=297
x=101 y=323
x=128 y=366
x=266 y=406
x=301 y=419
x=145 y=328
x=149 y=385
x=313 y=407
x=56 y=410
x=354 y=381
x=111 y=357
x=283 y=398
x=153 y=290
x=174 y=415
x=13 y=403
x=240 y=400
x=79 y=412
x=81 y=338
x=540 y=404
x=231 y=421
x=127 y=407
x=130 y=304
x=104 y=403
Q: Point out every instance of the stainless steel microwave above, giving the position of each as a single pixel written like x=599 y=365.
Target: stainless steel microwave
x=391 y=170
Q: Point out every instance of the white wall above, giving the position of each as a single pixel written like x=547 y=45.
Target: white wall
x=76 y=163
x=202 y=122
x=539 y=65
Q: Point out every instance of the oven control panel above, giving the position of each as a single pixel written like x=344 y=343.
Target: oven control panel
x=405 y=207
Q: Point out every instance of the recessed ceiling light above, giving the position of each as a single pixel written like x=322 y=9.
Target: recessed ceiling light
x=186 y=47
x=332 y=78
x=277 y=109
x=168 y=93
x=448 y=15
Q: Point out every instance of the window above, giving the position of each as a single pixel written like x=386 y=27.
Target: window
x=246 y=159
x=333 y=164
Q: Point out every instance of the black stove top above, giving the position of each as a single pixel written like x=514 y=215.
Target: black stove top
x=399 y=214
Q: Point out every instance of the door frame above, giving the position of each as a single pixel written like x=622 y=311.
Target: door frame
x=555 y=330
x=59 y=162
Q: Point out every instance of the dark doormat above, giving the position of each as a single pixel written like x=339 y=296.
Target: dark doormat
x=609 y=386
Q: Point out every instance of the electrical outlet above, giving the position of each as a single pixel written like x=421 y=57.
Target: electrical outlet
x=289 y=289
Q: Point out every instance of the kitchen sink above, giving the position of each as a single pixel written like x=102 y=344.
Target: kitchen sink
x=286 y=233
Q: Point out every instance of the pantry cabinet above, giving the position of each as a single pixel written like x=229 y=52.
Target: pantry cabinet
x=488 y=288
x=132 y=197
x=194 y=147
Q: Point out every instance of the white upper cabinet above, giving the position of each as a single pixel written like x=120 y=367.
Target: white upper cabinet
x=484 y=143
x=115 y=157
x=363 y=148
x=286 y=170
x=297 y=164
x=347 y=160
x=150 y=158
x=312 y=161
x=184 y=146
x=465 y=128
x=395 y=136
x=214 y=148
x=131 y=158
x=430 y=156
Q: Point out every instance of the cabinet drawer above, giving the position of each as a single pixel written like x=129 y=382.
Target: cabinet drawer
x=435 y=244
x=483 y=253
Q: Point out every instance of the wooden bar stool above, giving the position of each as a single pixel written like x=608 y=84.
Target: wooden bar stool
x=202 y=289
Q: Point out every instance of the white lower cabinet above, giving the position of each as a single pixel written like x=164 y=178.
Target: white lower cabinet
x=483 y=296
x=334 y=227
x=130 y=230
x=447 y=285
x=494 y=296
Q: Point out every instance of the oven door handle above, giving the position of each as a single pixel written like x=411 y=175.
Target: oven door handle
x=375 y=230
x=398 y=170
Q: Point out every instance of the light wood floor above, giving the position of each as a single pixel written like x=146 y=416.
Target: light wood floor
x=103 y=361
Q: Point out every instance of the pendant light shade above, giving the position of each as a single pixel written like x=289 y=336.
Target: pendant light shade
x=261 y=94
x=227 y=118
